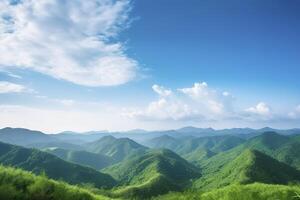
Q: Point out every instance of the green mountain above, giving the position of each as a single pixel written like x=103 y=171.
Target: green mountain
x=199 y=155
x=54 y=167
x=282 y=148
x=156 y=172
x=164 y=141
x=116 y=148
x=249 y=167
x=24 y=137
x=96 y=161
x=256 y=191
x=16 y=184
x=196 y=149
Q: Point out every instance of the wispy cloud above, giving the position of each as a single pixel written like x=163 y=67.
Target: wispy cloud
x=8 y=87
x=69 y=40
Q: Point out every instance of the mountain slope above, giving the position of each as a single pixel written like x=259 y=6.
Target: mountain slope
x=23 y=137
x=249 y=167
x=153 y=173
x=116 y=148
x=16 y=184
x=282 y=148
x=54 y=167
x=164 y=141
x=96 y=161
x=256 y=191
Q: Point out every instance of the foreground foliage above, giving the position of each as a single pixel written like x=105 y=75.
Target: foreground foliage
x=256 y=191
x=16 y=184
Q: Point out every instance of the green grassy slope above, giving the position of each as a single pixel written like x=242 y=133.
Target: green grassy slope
x=96 y=161
x=16 y=184
x=116 y=148
x=56 y=168
x=249 y=167
x=256 y=191
x=153 y=173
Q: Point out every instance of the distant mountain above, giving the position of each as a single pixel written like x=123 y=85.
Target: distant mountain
x=164 y=141
x=153 y=173
x=187 y=145
x=80 y=138
x=56 y=144
x=24 y=137
x=54 y=167
x=116 y=148
x=96 y=161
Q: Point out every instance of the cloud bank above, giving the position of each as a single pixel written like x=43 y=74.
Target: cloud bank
x=201 y=103
x=68 y=40
x=8 y=87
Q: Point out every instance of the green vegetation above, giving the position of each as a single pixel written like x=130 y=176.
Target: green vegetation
x=96 y=161
x=216 y=168
x=16 y=184
x=54 y=167
x=153 y=173
x=190 y=147
x=117 y=149
x=282 y=148
x=256 y=191
x=249 y=167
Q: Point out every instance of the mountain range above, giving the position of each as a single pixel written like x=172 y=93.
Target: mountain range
x=180 y=162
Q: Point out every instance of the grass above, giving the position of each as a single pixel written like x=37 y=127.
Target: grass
x=16 y=184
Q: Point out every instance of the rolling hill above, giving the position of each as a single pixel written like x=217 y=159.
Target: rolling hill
x=54 y=167
x=116 y=148
x=156 y=172
x=96 y=161
x=249 y=167
x=193 y=148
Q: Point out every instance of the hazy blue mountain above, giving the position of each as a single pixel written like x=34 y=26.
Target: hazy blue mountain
x=24 y=137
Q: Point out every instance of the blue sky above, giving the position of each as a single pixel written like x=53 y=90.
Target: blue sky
x=149 y=64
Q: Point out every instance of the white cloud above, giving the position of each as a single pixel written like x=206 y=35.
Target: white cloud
x=260 y=109
x=161 y=90
x=216 y=102
x=8 y=87
x=67 y=40
x=196 y=103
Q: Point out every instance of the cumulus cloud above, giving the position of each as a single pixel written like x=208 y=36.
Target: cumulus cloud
x=8 y=87
x=215 y=102
x=68 y=40
x=195 y=103
x=260 y=109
